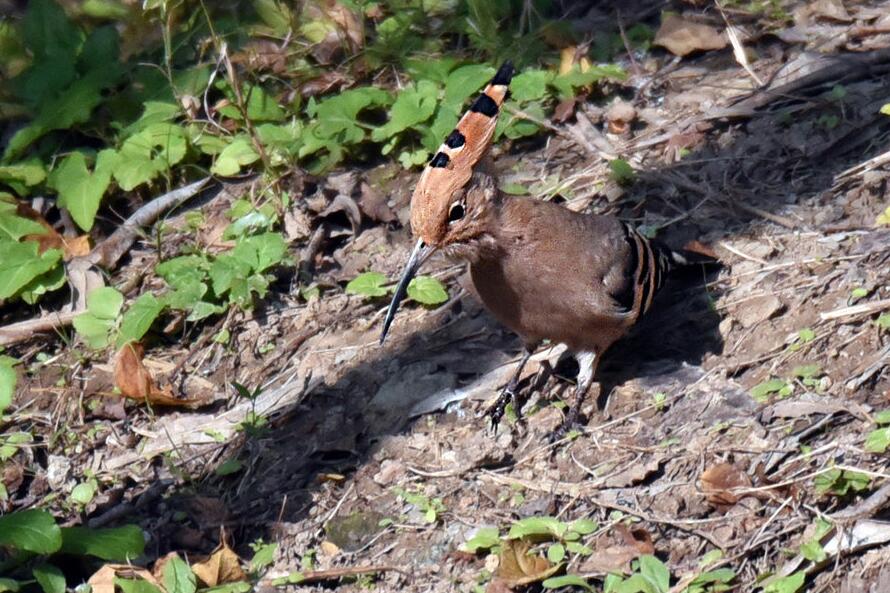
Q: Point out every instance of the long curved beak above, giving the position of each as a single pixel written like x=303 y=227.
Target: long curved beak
x=420 y=254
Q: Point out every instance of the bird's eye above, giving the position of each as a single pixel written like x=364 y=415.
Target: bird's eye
x=456 y=212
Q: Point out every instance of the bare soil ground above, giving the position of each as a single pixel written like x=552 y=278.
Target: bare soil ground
x=675 y=456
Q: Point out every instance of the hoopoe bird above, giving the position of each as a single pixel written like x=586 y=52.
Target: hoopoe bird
x=542 y=270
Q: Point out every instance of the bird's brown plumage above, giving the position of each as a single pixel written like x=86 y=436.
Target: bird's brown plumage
x=542 y=270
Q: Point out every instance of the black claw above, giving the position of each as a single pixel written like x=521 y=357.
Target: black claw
x=496 y=411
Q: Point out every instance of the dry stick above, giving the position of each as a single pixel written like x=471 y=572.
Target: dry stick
x=863 y=309
x=867 y=507
x=314 y=576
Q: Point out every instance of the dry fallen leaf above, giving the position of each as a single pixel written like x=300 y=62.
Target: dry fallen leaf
x=102 y=580
x=518 y=567
x=70 y=247
x=134 y=381
x=222 y=566
x=719 y=480
x=681 y=37
x=615 y=553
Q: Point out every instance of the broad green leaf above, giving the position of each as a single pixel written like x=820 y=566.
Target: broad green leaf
x=182 y=270
x=10 y=585
x=234 y=156
x=225 y=271
x=275 y=14
x=485 y=538
x=178 y=577
x=27 y=174
x=229 y=467
x=185 y=296
x=556 y=553
x=262 y=107
x=761 y=391
x=8 y=379
x=807 y=370
x=46 y=282
x=568 y=580
x=149 y=153
x=154 y=112
x=413 y=105
x=568 y=84
x=202 y=310
x=261 y=252
x=47 y=31
x=80 y=191
x=882 y=417
x=531 y=526
x=21 y=263
x=813 y=551
x=105 y=302
x=138 y=318
x=427 y=291
x=96 y=332
x=877 y=441
x=654 y=571
x=621 y=171
x=370 y=284
x=337 y=116
x=790 y=584
x=119 y=544
x=578 y=548
x=531 y=85
x=135 y=586
x=464 y=82
x=13 y=226
x=584 y=526
x=50 y=578
x=84 y=492
x=30 y=531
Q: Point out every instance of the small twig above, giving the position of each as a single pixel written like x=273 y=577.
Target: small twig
x=863 y=309
x=867 y=507
x=25 y=330
x=314 y=576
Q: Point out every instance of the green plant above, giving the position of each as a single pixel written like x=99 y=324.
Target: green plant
x=804 y=336
x=8 y=380
x=431 y=508
x=878 y=440
x=36 y=539
x=426 y=290
x=762 y=391
x=841 y=482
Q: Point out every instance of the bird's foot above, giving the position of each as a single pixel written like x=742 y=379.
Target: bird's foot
x=568 y=425
x=496 y=412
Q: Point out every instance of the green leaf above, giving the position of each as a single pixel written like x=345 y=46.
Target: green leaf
x=84 y=492
x=183 y=270
x=882 y=417
x=94 y=331
x=531 y=85
x=138 y=318
x=238 y=587
x=119 y=544
x=337 y=117
x=26 y=174
x=50 y=578
x=264 y=555
x=813 y=551
x=878 y=440
x=135 y=585
x=262 y=251
x=537 y=526
x=21 y=263
x=427 y=291
x=239 y=153
x=584 y=526
x=275 y=14
x=30 y=531
x=370 y=284
x=790 y=584
x=15 y=227
x=654 y=571
x=485 y=538
x=883 y=321
x=178 y=577
x=154 y=112
x=229 y=467
x=10 y=585
x=414 y=105
x=464 y=82
x=885 y=109
x=556 y=553
x=761 y=391
x=8 y=379
x=568 y=580
x=80 y=191
x=105 y=302
x=807 y=371
x=578 y=548
x=149 y=153
x=621 y=171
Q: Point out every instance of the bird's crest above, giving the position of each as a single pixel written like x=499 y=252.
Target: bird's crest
x=451 y=167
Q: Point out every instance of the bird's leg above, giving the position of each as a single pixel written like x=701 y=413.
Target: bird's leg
x=496 y=411
x=587 y=362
